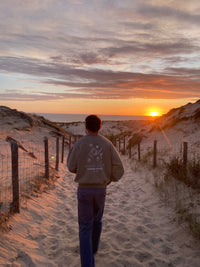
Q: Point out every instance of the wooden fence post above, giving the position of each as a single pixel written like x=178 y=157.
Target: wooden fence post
x=15 y=177
x=129 y=150
x=119 y=145
x=70 y=142
x=155 y=154
x=57 y=153
x=63 y=147
x=138 y=151
x=46 y=157
x=185 y=151
x=124 y=145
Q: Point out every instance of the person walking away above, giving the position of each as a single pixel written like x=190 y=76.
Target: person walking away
x=96 y=163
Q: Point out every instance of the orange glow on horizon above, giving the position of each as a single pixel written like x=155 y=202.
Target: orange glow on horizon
x=129 y=107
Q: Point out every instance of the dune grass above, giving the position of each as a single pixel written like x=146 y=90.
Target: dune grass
x=179 y=187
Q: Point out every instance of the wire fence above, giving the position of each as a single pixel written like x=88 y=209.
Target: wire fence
x=156 y=152
x=24 y=167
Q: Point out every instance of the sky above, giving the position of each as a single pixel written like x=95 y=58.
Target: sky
x=120 y=57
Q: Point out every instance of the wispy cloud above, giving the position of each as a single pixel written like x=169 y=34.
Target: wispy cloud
x=102 y=49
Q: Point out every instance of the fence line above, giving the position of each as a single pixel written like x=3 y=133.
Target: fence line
x=128 y=147
x=22 y=164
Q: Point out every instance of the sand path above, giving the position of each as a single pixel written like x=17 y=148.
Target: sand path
x=138 y=229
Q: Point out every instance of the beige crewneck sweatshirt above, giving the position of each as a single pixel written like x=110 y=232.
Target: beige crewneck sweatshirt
x=95 y=161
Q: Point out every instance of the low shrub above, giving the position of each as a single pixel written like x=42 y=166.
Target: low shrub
x=190 y=174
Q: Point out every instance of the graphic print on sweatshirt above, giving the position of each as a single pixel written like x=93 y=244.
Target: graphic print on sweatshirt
x=95 y=156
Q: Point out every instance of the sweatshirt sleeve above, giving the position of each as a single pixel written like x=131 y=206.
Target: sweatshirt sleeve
x=117 y=170
x=72 y=160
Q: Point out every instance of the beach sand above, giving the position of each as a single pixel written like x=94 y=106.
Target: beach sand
x=138 y=229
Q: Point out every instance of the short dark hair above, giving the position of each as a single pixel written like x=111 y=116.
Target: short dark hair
x=93 y=123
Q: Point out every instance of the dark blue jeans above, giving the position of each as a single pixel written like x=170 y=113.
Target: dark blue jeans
x=90 y=212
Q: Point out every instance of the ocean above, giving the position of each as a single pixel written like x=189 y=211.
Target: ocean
x=57 y=117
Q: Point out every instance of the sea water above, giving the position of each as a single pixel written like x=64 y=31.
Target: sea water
x=57 y=117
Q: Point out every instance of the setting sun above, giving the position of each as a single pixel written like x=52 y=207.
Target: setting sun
x=154 y=113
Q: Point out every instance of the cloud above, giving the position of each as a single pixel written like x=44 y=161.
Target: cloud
x=81 y=49
x=117 y=85
x=163 y=49
x=99 y=93
x=103 y=84
x=136 y=86
x=169 y=12
x=90 y=58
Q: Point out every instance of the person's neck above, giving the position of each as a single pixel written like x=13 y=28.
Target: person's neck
x=92 y=133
